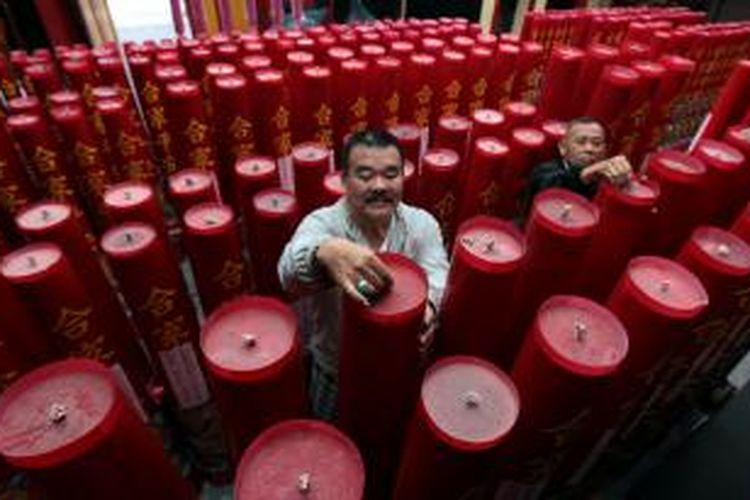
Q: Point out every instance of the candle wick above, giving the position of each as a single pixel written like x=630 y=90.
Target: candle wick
x=664 y=286
x=274 y=202
x=127 y=195
x=255 y=167
x=580 y=331
x=57 y=413
x=249 y=340
x=45 y=214
x=723 y=250
x=472 y=399
x=566 y=209
x=209 y=222
x=303 y=482
x=31 y=261
x=128 y=238
x=489 y=246
x=189 y=181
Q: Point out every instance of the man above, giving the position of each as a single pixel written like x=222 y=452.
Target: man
x=334 y=251
x=581 y=165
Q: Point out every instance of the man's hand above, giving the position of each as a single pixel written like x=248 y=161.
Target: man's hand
x=355 y=268
x=616 y=170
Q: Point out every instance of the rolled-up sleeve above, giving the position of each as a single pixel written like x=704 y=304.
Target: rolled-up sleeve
x=431 y=256
x=297 y=267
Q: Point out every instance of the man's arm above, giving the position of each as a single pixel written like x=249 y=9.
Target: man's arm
x=298 y=267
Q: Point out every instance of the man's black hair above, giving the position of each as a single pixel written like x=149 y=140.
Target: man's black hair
x=589 y=120
x=372 y=138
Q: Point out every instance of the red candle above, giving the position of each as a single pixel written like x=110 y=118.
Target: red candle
x=450 y=84
x=631 y=127
x=196 y=62
x=250 y=64
x=370 y=52
x=316 y=106
x=296 y=61
x=127 y=140
x=581 y=346
x=112 y=72
x=558 y=235
x=529 y=71
x=54 y=222
x=419 y=75
x=351 y=106
x=597 y=57
x=336 y=55
x=519 y=114
x=232 y=113
x=311 y=162
x=386 y=91
x=487 y=122
x=252 y=348
x=433 y=46
x=212 y=242
x=253 y=174
x=453 y=133
x=65 y=98
x=275 y=215
x=627 y=214
x=16 y=189
x=373 y=404
x=441 y=169
x=477 y=306
x=135 y=201
x=271 y=120
x=724 y=187
x=554 y=131
x=409 y=137
x=611 y=95
x=401 y=50
x=43 y=79
x=87 y=441
x=188 y=126
x=189 y=187
x=228 y=53
x=151 y=284
x=481 y=189
x=561 y=74
x=730 y=103
x=503 y=75
x=306 y=455
x=467 y=407
x=23 y=339
x=526 y=148
x=333 y=187
x=30 y=104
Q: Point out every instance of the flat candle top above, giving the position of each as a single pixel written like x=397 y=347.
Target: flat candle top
x=102 y=92
x=488 y=116
x=128 y=238
x=493 y=243
x=31 y=260
x=508 y=49
x=740 y=134
x=581 y=336
x=422 y=59
x=409 y=288
x=301 y=459
x=249 y=334
x=668 y=284
x=370 y=49
x=677 y=161
x=719 y=154
x=38 y=69
x=256 y=61
x=454 y=123
x=24 y=103
x=601 y=51
x=52 y=409
x=470 y=401
x=554 y=128
x=62 y=97
x=387 y=63
x=339 y=53
x=128 y=194
x=406 y=132
x=43 y=215
x=300 y=57
x=269 y=75
x=255 y=166
x=310 y=152
x=230 y=82
x=441 y=158
x=639 y=190
x=432 y=43
x=453 y=56
x=208 y=216
x=567 y=53
x=621 y=75
x=402 y=46
x=316 y=72
x=183 y=88
x=23 y=120
x=189 y=181
x=275 y=201
x=519 y=108
x=333 y=182
x=354 y=66
x=66 y=112
x=565 y=209
x=723 y=247
x=529 y=137
x=409 y=170
x=649 y=69
x=110 y=106
x=491 y=146
x=220 y=68
x=170 y=73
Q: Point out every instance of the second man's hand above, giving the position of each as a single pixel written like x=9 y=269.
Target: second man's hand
x=616 y=170
x=356 y=268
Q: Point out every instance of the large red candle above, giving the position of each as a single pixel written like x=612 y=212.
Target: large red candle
x=641 y=100
x=452 y=133
x=188 y=125
x=65 y=98
x=212 y=242
x=16 y=189
x=554 y=131
x=373 y=404
x=627 y=215
x=432 y=46
x=730 y=103
x=520 y=114
x=526 y=148
x=449 y=84
x=350 y=104
x=189 y=187
x=503 y=75
x=725 y=186
x=467 y=407
x=487 y=122
x=581 y=346
x=529 y=71
x=441 y=169
x=480 y=64
x=253 y=350
x=253 y=174
x=481 y=189
x=477 y=306
x=409 y=136
x=127 y=140
x=25 y=104
x=43 y=78
x=250 y=64
x=152 y=285
x=558 y=234
x=135 y=201
x=272 y=119
x=311 y=162
x=315 y=109
x=388 y=91
x=68 y=425
x=597 y=57
x=232 y=114
x=611 y=95
x=418 y=84
x=560 y=76
x=275 y=215
x=304 y=456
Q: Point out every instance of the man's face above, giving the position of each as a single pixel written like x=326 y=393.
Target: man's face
x=374 y=181
x=584 y=144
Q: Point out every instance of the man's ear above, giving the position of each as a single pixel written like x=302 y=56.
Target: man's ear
x=561 y=148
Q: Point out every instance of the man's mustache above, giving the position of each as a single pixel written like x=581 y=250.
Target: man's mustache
x=378 y=197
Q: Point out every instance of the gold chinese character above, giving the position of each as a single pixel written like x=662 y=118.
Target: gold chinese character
x=156 y=118
x=95 y=349
x=450 y=109
x=325 y=137
x=281 y=118
x=422 y=116
x=171 y=333
x=58 y=188
x=453 y=90
x=99 y=125
x=160 y=302
x=445 y=208
x=164 y=141
x=323 y=115
x=359 y=108
x=392 y=104
x=201 y=157
x=243 y=149
x=241 y=129
x=196 y=131
x=231 y=274
x=73 y=324
x=150 y=92
x=96 y=182
x=489 y=198
x=480 y=87
x=129 y=144
x=424 y=95
x=45 y=160
x=9 y=198
x=9 y=89
x=86 y=155
x=284 y=143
